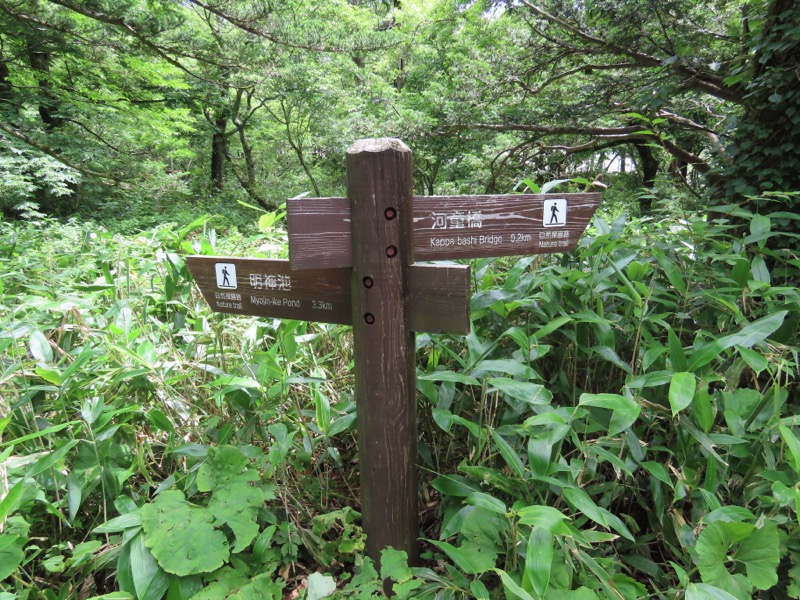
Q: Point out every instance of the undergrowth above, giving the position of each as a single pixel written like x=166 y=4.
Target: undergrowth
x=620 y=423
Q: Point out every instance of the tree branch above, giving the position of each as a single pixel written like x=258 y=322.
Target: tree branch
x=693 y=79
x=605 y=135
x=552 y=129
x=53 y=154
x=117 y=22
x=564 y=74
x=247 y=26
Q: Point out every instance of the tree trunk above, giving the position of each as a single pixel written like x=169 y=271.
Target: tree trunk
x=649 y=164
x=40 y=62
x=6 y=89
x=219 y=148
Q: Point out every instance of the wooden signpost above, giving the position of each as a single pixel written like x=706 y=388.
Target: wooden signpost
x=353 y=261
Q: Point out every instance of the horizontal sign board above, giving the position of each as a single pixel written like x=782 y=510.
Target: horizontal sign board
x=438 y=294
x=269 y=288
x=447 y=227
x=319 y=233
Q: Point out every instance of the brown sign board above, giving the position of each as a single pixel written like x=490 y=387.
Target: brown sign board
x=438 y=294
x=319 y=233
x=447 y=227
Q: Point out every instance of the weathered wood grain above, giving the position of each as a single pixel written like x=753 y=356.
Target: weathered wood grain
x=378 y=179
x=319 y=233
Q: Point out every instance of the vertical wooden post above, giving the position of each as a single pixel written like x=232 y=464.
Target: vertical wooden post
x=379 y=184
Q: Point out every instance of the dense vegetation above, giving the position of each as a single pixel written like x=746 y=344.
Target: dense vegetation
x=620 y=423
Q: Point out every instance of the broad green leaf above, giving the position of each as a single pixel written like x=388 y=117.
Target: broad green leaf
x=611 y=356
x=39 y=346
x=580 y=500
x=729 y=514
x=658 y=471
x=755 y=360
x=551 y=326
x=236 y=505
x=672 y=272
x=797 y=507
x=471 y=559
x=46 y=462
x=319 y=586
x=702 y=411
x=677 y=355
x=509 y=455
x=11 y=553
x=513 y=590
x=149 y=580
x=759 y=225
x=181 y=535
x=479 y=590
x=223 y=465
x=761 y=555
x=41 y=433
x=540 y=452
x=793 y=444
x=615 y=523
x=120 y=523
x=448 y=376
x=394 y=565
x=531 y=185
x=652 y=379
x=530 y=393
x=724 y=548
x=9 y=503
x=703 y=591
x=53 y=376
x=506 y=366
x=124 y=574
x=454 y=485
x=759 y=270
x=681 y=391
x=545 y=517
x=553 y=184
x=232 y=382
x=538 y=561
x=160 y=421
x=488 y=502
x=234 y=502
x=703 y=440
x=322 y=407
x=625 y=410
x=750 y=334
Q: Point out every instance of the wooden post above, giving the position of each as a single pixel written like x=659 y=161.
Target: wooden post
x=379 y=184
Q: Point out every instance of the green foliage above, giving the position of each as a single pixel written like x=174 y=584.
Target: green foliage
x=620 y=422
x=737 y=557
x=668 y=357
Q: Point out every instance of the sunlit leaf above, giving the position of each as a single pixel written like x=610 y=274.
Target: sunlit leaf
x=681 y=391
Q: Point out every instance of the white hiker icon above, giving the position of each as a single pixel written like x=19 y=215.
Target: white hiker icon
x=555 y=212
x=226 y=276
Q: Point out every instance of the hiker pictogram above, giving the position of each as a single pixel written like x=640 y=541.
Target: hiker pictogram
x=555 y=212
x=226 y=276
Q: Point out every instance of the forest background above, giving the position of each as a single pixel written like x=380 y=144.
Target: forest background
x=620 y=423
